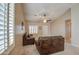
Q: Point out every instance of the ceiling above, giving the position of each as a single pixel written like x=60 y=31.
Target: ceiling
x=34 y=11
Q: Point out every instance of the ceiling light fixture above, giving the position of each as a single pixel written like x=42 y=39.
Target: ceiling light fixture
x=44 y=18
x=45 y=21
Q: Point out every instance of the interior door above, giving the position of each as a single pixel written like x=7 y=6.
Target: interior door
x=68 y=31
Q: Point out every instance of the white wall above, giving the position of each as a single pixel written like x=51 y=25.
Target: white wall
x=58 y=26
x=75 y=25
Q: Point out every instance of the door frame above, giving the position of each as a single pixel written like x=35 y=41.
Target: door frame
x=66 y=38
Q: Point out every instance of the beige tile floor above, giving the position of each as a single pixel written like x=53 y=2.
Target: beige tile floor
x=31 y=50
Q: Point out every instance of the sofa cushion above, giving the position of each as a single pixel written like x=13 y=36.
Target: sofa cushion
x=46 y=44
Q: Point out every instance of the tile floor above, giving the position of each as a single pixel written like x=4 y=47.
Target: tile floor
x=31 y=50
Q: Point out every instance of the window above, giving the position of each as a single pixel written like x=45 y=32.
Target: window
x=5 y=23
x=33 y=29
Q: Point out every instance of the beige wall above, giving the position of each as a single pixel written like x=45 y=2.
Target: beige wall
x=20 y=17
x=75 y=25
x=58 y=26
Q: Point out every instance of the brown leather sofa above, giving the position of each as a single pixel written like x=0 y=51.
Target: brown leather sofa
x=50 y=44
x=28 y=39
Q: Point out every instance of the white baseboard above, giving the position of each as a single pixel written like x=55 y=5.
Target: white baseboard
x=75 y=45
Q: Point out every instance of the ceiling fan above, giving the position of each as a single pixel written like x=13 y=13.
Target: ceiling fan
x=46 y=19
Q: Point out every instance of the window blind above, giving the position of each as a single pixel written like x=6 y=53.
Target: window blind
x=11 y=24
x=6 y=26
x=33 y=29
x=2 y=9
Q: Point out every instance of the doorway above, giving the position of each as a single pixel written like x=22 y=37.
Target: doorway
x=68 y=31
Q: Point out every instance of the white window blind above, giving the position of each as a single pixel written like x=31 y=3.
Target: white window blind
x=33 y=29
x=6 y=26
x=3 y=32
x=11 y=24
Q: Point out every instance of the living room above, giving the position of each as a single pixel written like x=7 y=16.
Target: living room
x=58 y=21
x=56 y=27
